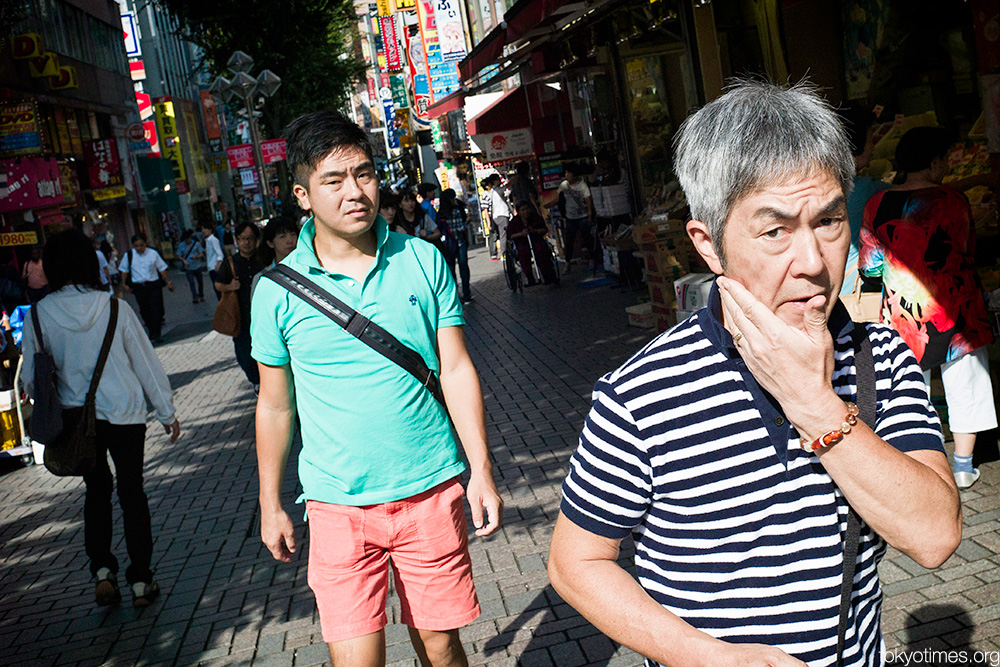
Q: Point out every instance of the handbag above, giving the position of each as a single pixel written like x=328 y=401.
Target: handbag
x=863 y=306
x=864 y=373
x=227 y=314
x=358 y=326
x=73 y=452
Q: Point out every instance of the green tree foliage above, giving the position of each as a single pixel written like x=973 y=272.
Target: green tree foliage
x=305 y=42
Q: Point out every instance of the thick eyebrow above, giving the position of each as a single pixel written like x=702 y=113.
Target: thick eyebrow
x=367 y=165
x=768 y=212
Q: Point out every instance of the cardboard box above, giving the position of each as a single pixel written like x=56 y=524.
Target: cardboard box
x=658 y=229
x=662 y=294
x=640 y=316
x=692 y=290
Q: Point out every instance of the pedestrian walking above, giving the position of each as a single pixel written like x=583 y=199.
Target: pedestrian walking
x=410 y=216
x=237 y=276
x=577 y=208
x=213 y=255
x=920 y=239
x=452 y=213
x=425 y=197
x=399 y=501
x=732 y=446
x=192 y=255
x=73 y=320
x=102 y=265
x=145 y=276
x=111 y=260
x=34 y=276
x=500 y=214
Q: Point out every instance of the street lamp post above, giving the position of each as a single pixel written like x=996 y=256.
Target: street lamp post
x=246 y=87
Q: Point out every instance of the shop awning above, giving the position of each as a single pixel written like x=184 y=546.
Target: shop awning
x=446 y=104
x=524 y=18
x=507 y=112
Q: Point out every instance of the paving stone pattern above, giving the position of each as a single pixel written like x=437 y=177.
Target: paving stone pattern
x=225 y=601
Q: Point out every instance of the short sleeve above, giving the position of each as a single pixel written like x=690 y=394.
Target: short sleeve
x=159 y=263
x=268 y=344
x=906 y=419
x=609 y=487
x=449 y=307
x=585 y=189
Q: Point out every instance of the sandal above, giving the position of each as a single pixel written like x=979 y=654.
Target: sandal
x=145 y=593
x=107 y=592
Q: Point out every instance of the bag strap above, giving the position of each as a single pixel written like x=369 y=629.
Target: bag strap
x=37 y=326
x=358 y=326
x=102 y=358
x=864 y=373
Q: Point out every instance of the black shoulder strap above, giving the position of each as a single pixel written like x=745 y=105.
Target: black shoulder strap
x=357 y=325
x=37 y=326
x=105 y=349
x=864 y=374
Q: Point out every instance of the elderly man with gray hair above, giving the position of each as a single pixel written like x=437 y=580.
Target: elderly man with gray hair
x=731 y=447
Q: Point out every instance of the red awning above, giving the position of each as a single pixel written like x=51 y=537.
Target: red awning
x=520 y=19
x=446 y=104
x=509 y=112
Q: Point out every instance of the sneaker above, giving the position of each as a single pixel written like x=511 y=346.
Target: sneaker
x=466 y=300
x=966 y=479
x=494 y=259
x=145 y=593
x=201 y=299
x=107 y=592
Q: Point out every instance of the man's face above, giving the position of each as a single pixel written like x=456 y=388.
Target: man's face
x=140 y=246
x=342 y=193
x=788 y=243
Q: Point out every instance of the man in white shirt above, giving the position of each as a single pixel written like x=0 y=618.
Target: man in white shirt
x=102 y=265
x=500 y=213
x=578 y=211
x=142 y=269
x=213 y=255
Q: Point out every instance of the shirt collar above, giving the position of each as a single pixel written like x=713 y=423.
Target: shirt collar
x=305 y=254
x=839 y=323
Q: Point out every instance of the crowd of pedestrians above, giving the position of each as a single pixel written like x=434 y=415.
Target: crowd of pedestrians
x=766 y=451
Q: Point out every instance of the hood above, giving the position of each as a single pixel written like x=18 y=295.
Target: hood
x=73 y=309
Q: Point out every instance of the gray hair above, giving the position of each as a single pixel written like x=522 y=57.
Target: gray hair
x=755 y=136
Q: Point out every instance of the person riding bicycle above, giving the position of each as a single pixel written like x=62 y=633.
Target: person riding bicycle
x=527 y=232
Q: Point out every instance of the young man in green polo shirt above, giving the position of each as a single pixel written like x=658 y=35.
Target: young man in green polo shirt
x=379 y=463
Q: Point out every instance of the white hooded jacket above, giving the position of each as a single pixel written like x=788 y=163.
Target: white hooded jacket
x=73 y=325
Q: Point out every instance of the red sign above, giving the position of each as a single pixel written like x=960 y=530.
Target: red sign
x=372 y=97
x=135 y=133
x=211 y=115
x=102 y=163
x=240 y=156
x=390 y=43
x=145 y=104
x=149 y=133
x=32 y=182
x=273 y=150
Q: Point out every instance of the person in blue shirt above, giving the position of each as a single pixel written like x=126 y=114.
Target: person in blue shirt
x=425 y=197
x=192 y=255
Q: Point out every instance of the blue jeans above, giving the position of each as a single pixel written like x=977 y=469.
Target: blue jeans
x=196 y=282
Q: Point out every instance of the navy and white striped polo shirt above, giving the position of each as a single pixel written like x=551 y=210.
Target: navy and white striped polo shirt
x=737 y=530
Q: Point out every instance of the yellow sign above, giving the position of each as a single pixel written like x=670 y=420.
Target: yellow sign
x=27 y=45
x=66 y=78
x=170 y=143
x=406 y=5
x=46 y=64
x=383 y=7
x=114 y=192
x=18 y=238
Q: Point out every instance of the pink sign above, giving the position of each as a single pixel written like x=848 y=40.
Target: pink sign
x=273 y=150
x=102 y=163
x=31 y=183
x=240 y=156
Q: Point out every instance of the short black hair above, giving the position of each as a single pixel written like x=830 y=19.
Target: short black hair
x=248 y=225
x=919 y=146
x=69 y=259
x=387 y=198
x=313 y=136
x=206 y=224
x=139 y=236
x=857 y=120
x=186 y=234
x=425 y=189
x=280 y=224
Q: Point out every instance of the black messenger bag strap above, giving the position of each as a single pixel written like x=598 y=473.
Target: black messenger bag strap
x=864 y=378
x=102 y=358
x=358 y=326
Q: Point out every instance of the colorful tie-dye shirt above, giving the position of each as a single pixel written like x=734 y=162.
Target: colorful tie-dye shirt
x=922 y=243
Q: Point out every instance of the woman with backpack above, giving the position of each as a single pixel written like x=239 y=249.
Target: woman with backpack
x=74 y=318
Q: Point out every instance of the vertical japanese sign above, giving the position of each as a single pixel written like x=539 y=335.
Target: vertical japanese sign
x=378 y=48
x=418 y=74
x=131 y=36
x=390 y=43
x=213 y=129
x=170 y=145
x=443 y=75
x=451 y=32
x=105 y=172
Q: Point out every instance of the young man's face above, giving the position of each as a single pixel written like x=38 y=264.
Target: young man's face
x=140 y=246
x=787 y=244
x=342 y=193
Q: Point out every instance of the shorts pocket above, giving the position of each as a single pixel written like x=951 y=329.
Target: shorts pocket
x=336 y=535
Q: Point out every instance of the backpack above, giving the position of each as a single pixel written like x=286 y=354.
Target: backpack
x=46 y=416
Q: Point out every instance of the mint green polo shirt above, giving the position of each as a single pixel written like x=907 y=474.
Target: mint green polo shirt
x=371 y=433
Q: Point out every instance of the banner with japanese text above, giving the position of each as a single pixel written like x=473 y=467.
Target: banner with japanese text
x=443 y=76
x=19 y=133
x=170 y=143
x=31 y=183
x=240 y=156
x=104 y=170
x=273 y=150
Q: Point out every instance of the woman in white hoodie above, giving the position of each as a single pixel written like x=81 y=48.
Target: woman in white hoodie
x=73 y=319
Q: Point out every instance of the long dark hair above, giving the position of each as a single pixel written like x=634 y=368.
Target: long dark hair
x=274 y=226
x=69 y=259
x=449 y=202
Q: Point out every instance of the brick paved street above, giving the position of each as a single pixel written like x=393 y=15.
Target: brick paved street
x=226 y=602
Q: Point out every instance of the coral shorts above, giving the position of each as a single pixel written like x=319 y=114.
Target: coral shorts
x=425 y=539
